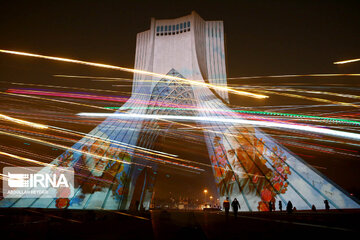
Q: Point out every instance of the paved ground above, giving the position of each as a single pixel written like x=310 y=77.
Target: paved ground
x=55 y=224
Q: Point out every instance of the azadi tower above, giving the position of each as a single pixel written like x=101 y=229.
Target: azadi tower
x=115 y=171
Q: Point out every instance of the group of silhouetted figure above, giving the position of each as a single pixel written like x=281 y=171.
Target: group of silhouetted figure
x=289 y=207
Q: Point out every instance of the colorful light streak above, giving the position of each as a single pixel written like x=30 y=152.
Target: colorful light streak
x=302 y=75
x=24 y=92
x=339 y=120
x=142 y=72
x=305 y=128
x=311 y=91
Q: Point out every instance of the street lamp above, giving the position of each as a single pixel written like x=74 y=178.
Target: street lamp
x=211 y=197
x=205 y=192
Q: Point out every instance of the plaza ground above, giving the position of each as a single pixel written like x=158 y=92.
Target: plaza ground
x=174 y=224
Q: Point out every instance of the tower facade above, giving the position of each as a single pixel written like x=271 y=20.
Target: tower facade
x=116 y=163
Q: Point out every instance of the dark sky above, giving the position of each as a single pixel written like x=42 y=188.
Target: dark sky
x=262 y=38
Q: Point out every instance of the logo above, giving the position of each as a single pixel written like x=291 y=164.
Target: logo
x=37 y=182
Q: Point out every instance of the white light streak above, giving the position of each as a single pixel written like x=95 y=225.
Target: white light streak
x=347 y=61
x=22 y=122
x=305 y=128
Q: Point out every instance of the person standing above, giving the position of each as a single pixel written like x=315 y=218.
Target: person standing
x=327 y=206
x=313 y=208
x=235 y=206
x=289 y=207
x=280 y=206
x=226 y=205
x=270 y=206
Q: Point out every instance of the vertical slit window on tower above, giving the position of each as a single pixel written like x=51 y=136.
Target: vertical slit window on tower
x=188 y=24
x=181 y=26
x=165 y=28
x=177 y=26
x=162 y=28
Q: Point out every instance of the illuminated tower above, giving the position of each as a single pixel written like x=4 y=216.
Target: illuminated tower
x=116 y=163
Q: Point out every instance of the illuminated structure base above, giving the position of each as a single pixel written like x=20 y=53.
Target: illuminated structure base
x=247 y=164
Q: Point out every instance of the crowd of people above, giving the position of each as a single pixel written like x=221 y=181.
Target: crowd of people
x=289 y=207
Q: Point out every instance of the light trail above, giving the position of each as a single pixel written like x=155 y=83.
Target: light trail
x=56 y=86
x=153 y=152
x=331 y=132
x=23 y=122
x=92 y=77
x=251 y=112
x=26 y=159
x=67 y=148
x=307 y=98
x=347 y=61
x=69 y=95
x=149 y=151
x=302 y=75
x=94 y=97
x=142 y=72
x=53 y=100
x=309 y=91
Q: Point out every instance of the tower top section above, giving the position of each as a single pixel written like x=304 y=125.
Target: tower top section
x=189 y=44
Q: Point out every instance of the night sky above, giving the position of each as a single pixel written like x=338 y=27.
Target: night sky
x=262 y=38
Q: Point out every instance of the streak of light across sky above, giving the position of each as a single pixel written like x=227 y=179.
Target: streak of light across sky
x=230 y=78
x=41 y=126
x=26 y=159
x=194 y=82
x=347 y=61
x=66 y=148
x=305 y=97
x=52 y=100
x=305 y=128
x=69 y=95
x=302 y=75
x=105 y=140
x=251 y=112
x=22 y=122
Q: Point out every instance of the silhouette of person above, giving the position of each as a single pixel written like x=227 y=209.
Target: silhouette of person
x=280 y=206
x=327 y=206
x=235 y=206
x=289 y=207
x=226 y=205
x=270 y=206
x=313 y=208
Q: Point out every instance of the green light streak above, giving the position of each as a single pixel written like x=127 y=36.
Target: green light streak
x=339 y=120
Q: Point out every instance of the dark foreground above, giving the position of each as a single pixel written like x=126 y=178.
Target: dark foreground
x=186 y=225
